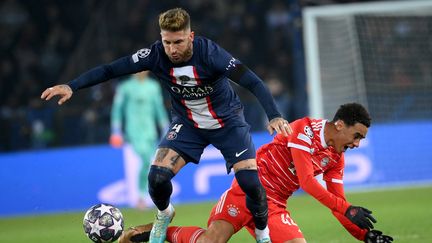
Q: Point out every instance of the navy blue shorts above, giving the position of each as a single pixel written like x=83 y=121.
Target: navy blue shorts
x=234 y=142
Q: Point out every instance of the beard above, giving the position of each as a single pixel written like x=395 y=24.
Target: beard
x=183 y=57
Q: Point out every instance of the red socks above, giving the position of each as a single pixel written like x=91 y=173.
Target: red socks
x=187 y=234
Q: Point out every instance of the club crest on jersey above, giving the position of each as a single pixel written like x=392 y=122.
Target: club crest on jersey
x=143 y=53
x=308 y=131
x=172 y=135
x=324 y=161
x=184 y=79
x=233 y=211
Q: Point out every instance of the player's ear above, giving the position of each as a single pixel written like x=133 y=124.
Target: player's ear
x=339 y=124
x=192 y=35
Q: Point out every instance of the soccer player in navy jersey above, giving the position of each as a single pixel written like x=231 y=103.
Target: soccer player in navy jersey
x=206 y=110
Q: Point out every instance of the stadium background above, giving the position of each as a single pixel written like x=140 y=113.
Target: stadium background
x=55 y=160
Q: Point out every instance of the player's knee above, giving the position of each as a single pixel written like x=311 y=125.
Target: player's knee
x=250 y=184
x=159 y=175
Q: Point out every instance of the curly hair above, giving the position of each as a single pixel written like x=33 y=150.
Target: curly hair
x=175 y=19
x=352 y=113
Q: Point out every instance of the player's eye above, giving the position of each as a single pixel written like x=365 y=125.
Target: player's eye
x=358 y=136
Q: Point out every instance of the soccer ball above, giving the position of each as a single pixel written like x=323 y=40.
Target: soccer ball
x=103 y=223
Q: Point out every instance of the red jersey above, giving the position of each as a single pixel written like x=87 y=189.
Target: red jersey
x=288 y=163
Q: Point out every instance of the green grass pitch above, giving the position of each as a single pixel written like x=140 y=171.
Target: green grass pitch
x=405 y=214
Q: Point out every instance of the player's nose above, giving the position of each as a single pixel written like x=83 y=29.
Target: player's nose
x=172 y=49
x=356 y=143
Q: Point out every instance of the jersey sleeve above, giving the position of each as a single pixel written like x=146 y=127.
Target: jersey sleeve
x=335 y=174
x=353 y=229
x=225 y=64
x=300 y=145
x=334 y=183
x=147 y=58
x=298 y=138
x=217 y=58
x=143 y=59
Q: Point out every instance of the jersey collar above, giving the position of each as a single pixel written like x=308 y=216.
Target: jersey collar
x=323 y=142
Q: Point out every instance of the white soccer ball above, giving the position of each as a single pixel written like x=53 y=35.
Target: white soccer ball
x=103 y=223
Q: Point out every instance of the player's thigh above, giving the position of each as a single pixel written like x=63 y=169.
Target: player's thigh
x=181 y=144
x=282 y=227
x=168 y=158
x=235 y=144
x=247 y=164
x=231 y=208
x=219 y=231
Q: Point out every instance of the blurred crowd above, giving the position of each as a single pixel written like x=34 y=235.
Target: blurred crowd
x=47 y=42
x=397 y=57
x=36 y=38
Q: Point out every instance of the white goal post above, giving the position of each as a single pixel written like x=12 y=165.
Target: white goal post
x=336 y=56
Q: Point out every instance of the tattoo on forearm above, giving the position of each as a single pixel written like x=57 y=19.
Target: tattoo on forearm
x=160 y=155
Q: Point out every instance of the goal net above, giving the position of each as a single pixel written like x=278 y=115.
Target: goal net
x=378 y=54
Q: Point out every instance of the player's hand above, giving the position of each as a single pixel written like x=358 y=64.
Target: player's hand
x=139 y=233
x=280 y=125
x=362 y=217
x=116 y=140
x=62 y=90
x=376 y=236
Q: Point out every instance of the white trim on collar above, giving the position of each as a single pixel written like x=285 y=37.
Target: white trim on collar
x=323 y=142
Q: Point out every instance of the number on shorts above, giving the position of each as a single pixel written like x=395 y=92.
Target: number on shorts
x=286 y=219
x=177 y=127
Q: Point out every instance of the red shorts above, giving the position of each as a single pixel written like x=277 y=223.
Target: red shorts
x=231 y=207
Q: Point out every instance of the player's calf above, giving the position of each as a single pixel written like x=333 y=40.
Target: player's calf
x=255 y=196
x=160 y=187
x=256 y=202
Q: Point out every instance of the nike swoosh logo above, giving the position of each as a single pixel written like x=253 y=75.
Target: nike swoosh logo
x=238 y=154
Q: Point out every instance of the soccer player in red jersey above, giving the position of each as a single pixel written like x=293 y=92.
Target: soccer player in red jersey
x=315 y=147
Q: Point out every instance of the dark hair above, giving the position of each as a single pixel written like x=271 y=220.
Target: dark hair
x=352 y=113
x=175 y=19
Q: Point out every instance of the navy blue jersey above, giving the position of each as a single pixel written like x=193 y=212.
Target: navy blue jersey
x=200 y=91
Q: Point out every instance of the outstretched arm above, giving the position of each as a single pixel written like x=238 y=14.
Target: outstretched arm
x=354 y=230
x=303 y=164
x=304 y=169
x=368 y=236
x=92 y=77
x=63 y=90
x=227 y=65
x=351 y=225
